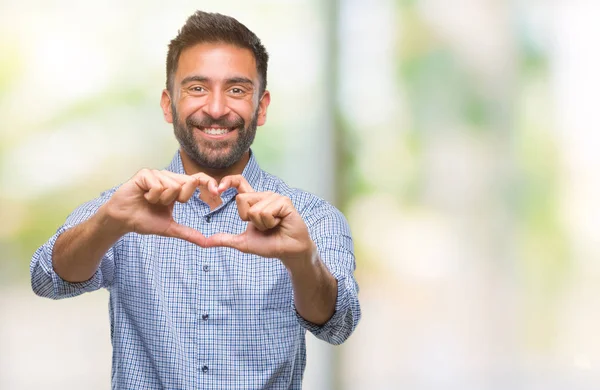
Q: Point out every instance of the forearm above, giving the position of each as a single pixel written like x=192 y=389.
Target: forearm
x=315 y=288
x=78 y=251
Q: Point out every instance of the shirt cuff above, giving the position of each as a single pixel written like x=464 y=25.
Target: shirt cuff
x=342 y=305
x=63 y=288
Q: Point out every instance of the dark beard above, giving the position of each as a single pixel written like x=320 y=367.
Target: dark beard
x=207 y=154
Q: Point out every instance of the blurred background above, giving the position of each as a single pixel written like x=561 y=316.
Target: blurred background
x=456 y=136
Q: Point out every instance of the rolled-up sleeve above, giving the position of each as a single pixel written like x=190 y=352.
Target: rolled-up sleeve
x=330 y=232
x=45 y=282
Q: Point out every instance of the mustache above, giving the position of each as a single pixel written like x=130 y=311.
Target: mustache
x=221 y=122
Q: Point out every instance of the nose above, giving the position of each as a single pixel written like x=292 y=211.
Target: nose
x=216 y=105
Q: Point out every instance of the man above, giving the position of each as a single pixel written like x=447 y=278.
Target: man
x=215 y=268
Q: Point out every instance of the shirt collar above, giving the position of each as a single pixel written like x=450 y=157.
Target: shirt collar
x=251 y=171
x=176 y=165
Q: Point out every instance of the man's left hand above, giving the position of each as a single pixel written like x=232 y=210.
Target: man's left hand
x=275 y=228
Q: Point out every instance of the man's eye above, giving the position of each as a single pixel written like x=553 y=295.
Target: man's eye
x=237 y=91
x=198 y=89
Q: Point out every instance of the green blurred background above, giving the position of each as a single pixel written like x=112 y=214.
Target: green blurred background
x=456 y=136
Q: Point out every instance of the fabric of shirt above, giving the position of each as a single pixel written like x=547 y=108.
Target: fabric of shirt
x=187 y=317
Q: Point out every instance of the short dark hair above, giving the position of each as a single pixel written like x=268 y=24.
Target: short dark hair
x=204 y=27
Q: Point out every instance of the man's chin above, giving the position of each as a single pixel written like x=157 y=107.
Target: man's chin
x=217 y=160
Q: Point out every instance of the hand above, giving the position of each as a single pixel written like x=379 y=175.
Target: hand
x=275 y=228
x=144 y=204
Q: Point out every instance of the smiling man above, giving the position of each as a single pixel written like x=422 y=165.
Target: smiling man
x=215 y=268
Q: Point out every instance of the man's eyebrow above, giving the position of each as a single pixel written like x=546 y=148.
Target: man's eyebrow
x=239 y=80
x=203 y=79
x=198 y=79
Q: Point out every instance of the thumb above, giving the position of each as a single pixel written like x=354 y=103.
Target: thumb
x=235 y=241
x=186 y=233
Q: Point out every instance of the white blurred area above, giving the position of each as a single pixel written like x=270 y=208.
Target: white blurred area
x=477 y=248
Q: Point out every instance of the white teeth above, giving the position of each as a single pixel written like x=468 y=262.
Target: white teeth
x=212 y=131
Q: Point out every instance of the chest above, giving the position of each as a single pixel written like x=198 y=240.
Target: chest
x=175 y=273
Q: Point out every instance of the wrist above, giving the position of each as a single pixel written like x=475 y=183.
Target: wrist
x=106 y=222
x=302 y=261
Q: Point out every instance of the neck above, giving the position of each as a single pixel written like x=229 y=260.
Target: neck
x=192 y=168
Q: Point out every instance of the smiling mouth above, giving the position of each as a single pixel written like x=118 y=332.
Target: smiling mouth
x=215 y=130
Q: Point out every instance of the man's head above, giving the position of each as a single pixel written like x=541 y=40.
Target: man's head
x=203 y=27
x=216 y=89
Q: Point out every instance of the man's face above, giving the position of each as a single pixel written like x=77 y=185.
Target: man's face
x=214 y=104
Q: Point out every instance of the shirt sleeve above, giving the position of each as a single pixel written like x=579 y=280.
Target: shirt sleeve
x=330 y=232
x=47 y=283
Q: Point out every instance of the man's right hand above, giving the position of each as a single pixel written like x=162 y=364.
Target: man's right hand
x=144 y=204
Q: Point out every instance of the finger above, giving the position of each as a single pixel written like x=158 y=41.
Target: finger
x=274 y=211
x=264 y=213
x=207 y=182
x=179 y=178
x=150 y=184
x=247 y=200
x=235 y=241
x=171 y=191
x=188 y=185
x=185 y=233
x=235 y=181
x=188 y=189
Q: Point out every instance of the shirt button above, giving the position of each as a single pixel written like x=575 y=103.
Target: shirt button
x=205 y=369
x=204 y=317
x=205 y=268
x=207 y=218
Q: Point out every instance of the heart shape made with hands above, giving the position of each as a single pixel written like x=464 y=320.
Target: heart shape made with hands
x=275 y=229
x=145 y=203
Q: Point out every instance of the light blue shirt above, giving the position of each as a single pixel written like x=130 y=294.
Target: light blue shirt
x=186 y=317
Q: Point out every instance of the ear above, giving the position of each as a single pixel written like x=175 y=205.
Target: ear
x=262 y=108
x=165 y=103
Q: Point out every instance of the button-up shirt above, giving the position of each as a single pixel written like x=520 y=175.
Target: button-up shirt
x=187 y=317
